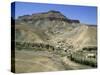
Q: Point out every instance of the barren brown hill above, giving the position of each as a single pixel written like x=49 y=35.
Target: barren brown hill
x=65 y=38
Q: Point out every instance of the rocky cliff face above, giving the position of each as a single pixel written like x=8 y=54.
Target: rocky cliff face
x=50 y=15
x=52 y=27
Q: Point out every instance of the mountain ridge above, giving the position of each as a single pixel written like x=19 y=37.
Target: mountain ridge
x=51 y=15
x=52 y=28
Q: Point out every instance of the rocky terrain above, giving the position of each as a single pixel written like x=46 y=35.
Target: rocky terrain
x=50 y=41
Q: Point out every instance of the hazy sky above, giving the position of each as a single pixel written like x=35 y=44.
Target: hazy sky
x=86 y=14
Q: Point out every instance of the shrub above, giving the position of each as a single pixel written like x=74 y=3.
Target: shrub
x=80 y=57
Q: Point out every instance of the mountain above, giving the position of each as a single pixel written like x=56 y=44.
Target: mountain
x=52 y=27
x=52 y=37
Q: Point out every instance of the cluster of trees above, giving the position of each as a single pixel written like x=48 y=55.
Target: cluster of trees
x=33 y=45
x=90 y=48
x=79 y=57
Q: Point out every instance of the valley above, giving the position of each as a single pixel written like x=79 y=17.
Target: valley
x=49 y=41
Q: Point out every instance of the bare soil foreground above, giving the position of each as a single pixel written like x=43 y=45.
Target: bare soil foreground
x=43 y=61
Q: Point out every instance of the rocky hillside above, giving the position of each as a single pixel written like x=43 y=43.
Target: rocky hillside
x=53 y=27
x=53 y=32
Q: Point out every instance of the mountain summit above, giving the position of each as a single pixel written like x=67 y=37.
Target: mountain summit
x=51 y=15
